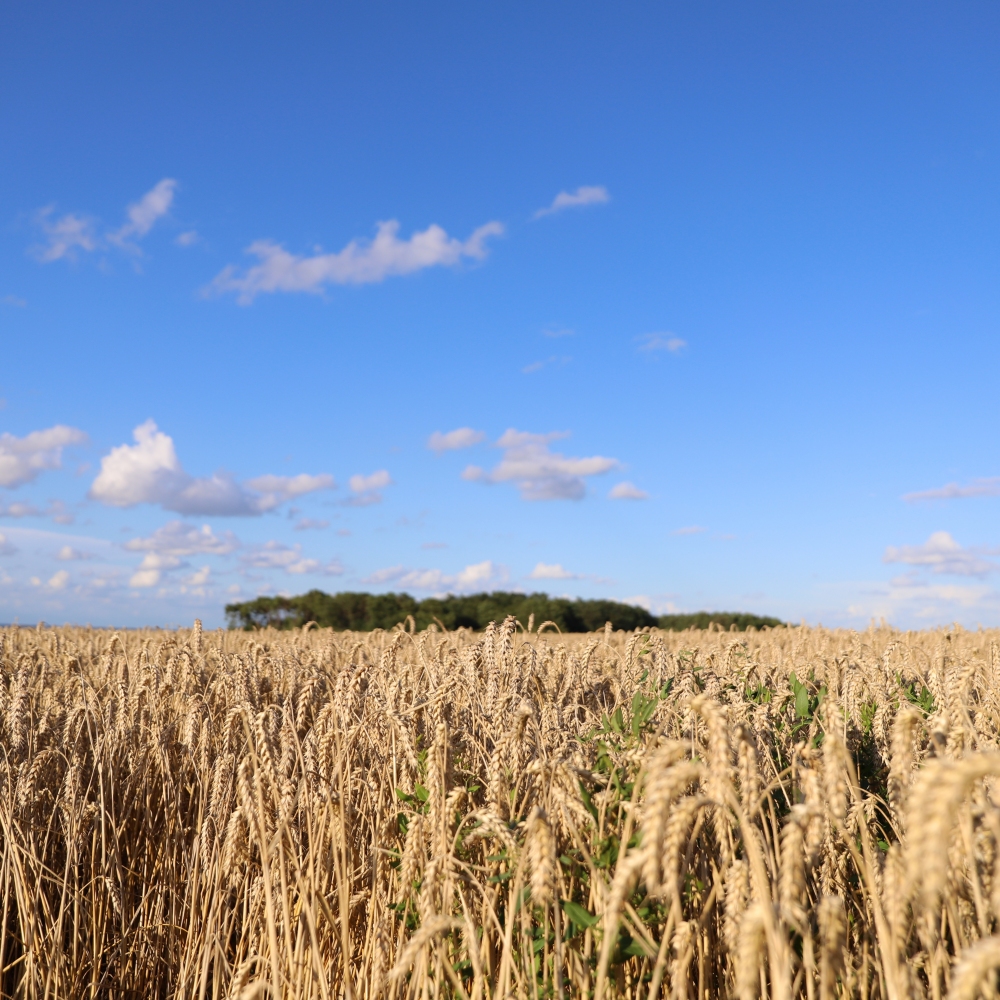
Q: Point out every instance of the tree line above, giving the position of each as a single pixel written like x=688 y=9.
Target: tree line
x=362 y=612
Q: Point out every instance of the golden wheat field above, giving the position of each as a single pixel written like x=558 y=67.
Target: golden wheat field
x=787 y=813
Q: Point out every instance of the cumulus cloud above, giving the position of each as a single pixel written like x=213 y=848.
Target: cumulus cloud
x=22 y=459
x=366 y=488
x=58 y=580
x=475 y=577
x=942 y=554
x=142 y=214
x=176 y=538
x=276 y=490
x=461 y=437
x=20 y=510
x=64 y=236
x=7 y=547
x=583 y=195
x=14 y=300
x=540 y=473
x=276 y=555
x=989 y=487
x=187 y=239
x=310 y=524
x=361 y=262
x=654 y=342
x=152 y=568
x=166 y=548
x=150 y=472
x=917 y=598
x=198 y=578
x=72 y=233
x=690 y=529
x=657 y=604
x=59 y=513
x=56 y=509
x=551 y=571
x=537 y=366
x=68 y=554
x=627 y=491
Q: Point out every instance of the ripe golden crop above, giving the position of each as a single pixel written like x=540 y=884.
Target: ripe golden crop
x=790 y=813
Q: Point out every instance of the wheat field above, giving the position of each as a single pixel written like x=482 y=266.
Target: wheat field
x=791 y=813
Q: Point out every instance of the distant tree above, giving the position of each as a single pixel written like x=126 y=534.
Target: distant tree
x=361 y=612
x=703 y=619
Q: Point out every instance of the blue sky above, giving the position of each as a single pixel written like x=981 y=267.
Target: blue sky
x=700 y=302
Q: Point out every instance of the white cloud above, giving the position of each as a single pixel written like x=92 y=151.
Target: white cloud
x=143 y=213
x=309 y=524
x=916 y=599
x=68 y=554
x=537 y=366
x=56 y=509
x=277 y=490
x=462 y=437
x=360 y=262
x=152 y=567
x=989 y=487
x=20 y=510
x=627 y=491
x=58 y=580
x=652 y=342
x=640 y=601
x=72 y=232
x=150 y=472
x=65 y=235
x=690 y=529
x=199 y=578
x=146 y=472
x=14 y=300
x=22 y=459
x=7 y=548
x=942 y=554
x=584 y=195
x=908 y=588
x=475 y=577
x=176 y=538
x=540 y=473
x=656 y=605
x=276 y=555
x=366 y=488
x=59 y=513
x=551 y=571
x=187 y=239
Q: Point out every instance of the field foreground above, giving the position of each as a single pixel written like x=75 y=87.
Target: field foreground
x=789 y=813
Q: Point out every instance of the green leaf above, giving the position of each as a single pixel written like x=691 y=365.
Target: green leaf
x=578 y=915
x=637 y=949
x=616 y=722
x=421 y=793
x=802 y=702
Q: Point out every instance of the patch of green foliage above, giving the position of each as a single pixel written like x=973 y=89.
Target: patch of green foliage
x=702 y=619
x=363 y=612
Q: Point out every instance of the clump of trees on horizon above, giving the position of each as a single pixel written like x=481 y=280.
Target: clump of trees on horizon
x=361 y=612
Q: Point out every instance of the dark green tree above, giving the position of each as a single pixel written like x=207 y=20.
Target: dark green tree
x=363 y=612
